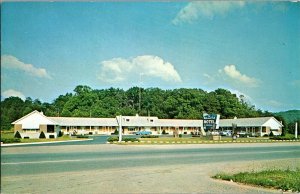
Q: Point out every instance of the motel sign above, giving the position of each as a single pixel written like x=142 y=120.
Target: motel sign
x=211 y=121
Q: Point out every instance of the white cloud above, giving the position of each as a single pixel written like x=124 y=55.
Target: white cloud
x=296 y=83
x=207 y=9
x=119 y=69
x=208 y=76
x=239 y=78
x=240 y=95
x=275 y=103
x=12 y=92
x=11 y=62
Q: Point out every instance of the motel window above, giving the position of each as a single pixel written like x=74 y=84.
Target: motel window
x=151 y=120
x=127 y=120
x=131 y=129
x=30 y=130
x=264 y=130
x=50 y=128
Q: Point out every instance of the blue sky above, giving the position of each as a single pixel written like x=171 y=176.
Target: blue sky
x=249 y=48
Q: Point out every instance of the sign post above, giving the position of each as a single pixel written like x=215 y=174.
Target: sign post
x=211 y=122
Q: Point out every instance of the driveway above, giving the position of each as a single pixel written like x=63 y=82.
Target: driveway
x=97 y=168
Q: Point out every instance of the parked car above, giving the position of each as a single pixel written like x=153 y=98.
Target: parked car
x=243 y=134
x=226 y=133
x=143 y=133
x=214 y=133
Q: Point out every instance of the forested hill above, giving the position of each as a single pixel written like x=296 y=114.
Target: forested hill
x=290 y=116
x=176 y=103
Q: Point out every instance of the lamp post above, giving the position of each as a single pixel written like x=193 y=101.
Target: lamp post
x=296 y=130
x=120 y=128
x=140 y=95
x=234 y=125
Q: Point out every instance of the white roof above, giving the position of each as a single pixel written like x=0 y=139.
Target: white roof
x=135 y=121
x=33 y=120
x=180 y=123
x=246 y=122
x=81 y=121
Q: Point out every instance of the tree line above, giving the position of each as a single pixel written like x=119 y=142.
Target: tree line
x=180 y=103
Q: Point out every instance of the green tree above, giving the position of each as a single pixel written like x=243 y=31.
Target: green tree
x=11 y=110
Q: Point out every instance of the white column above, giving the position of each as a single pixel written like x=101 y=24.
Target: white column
x=261 y=131
x=120 y=128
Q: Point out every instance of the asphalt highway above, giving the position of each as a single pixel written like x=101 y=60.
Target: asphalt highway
x=22 y=162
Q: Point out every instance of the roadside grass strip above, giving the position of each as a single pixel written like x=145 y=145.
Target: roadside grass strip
x=287 y=180
x=197 y=141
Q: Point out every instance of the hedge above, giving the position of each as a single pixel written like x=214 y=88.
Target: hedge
x=149 y=136
x=10 y=140
x=126 y=139
x=82 y=136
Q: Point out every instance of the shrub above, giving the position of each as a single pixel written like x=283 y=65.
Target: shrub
x=42 y=135
x=51 y=136
x=115 y=133
x=26 y=137
x=126 y=139
x=90 y=133
x=18 y=135
x=271 y=134
x=265 y=135
x=164 y=132
x=149 y=136
x=113 y=138
x=10 y=140
x=60 y=134
x=180 y=135
x=286 y=137
x=82 y=136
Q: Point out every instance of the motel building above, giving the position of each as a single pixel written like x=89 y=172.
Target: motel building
x=34 y=123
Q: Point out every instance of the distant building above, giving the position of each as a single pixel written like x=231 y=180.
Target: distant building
x=259 y=125
x=32 y=124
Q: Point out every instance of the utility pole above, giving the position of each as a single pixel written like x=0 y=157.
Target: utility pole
x=139 y=100
x=296 y=130
x=140 y=95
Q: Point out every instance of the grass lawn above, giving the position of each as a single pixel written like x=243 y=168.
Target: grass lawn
x=191 y=140
x=63 y=138
x=10 y=135
x=278 y=179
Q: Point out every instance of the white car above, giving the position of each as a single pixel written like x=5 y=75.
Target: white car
x=226 y=133
x=215 y=133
